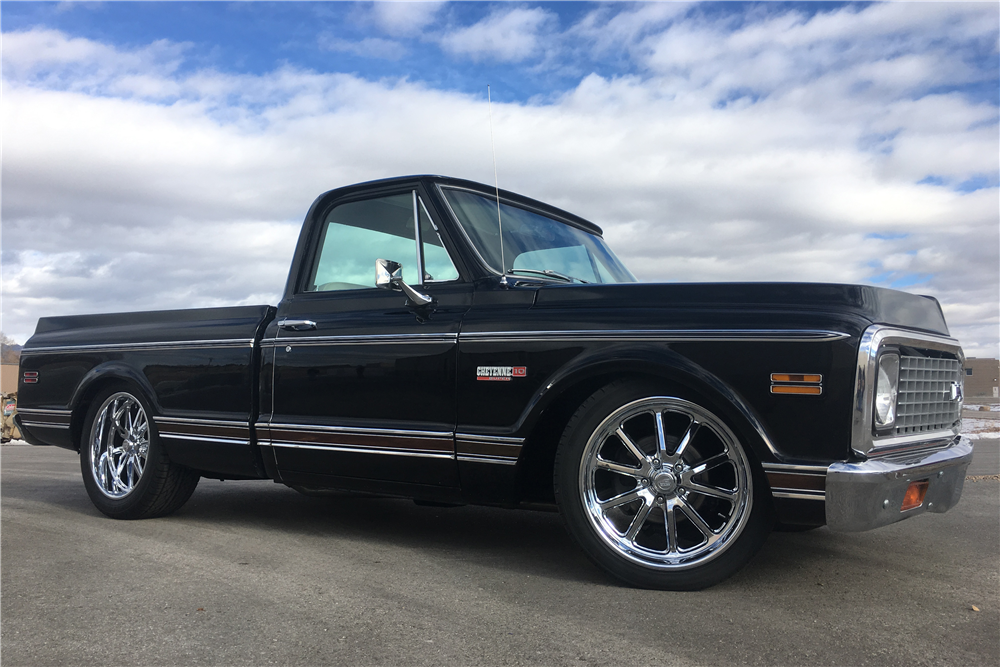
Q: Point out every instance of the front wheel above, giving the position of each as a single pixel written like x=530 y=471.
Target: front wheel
x=658 y=490
x=125 y=470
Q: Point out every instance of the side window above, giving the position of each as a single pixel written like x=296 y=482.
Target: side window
x=358 y=233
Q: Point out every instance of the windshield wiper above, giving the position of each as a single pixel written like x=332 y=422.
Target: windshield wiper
x=548 y=273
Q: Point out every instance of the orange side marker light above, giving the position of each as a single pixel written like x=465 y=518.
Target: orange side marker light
x=796 y=389
x=797 y=377
x=915 y=493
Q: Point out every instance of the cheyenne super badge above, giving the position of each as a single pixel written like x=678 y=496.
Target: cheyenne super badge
x=501 y=373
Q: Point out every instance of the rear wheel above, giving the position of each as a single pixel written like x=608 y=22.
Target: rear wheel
x=125 y=470
x=658 y=490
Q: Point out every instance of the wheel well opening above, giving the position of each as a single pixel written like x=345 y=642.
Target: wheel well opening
x=83 y=404
x=536 y=467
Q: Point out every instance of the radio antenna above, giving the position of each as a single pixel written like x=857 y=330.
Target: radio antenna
x=496 y=184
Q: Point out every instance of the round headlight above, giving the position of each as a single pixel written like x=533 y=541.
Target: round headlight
x=885 y=391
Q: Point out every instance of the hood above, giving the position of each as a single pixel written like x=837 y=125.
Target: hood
x=876 y=305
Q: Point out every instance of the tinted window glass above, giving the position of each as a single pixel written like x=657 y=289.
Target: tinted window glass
x=358 y=233
x=534 y=242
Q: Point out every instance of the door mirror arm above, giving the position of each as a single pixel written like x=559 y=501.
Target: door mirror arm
x=389 y=275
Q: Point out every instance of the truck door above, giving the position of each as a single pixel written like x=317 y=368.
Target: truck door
x=364 y=379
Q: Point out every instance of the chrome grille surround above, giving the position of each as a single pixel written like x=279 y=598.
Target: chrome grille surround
x=924 y=402
x=922 y=421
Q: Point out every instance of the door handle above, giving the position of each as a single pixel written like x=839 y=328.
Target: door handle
x=296 y=325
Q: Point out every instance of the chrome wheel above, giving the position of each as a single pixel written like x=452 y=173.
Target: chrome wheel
x=119 y=445
x=665 y=483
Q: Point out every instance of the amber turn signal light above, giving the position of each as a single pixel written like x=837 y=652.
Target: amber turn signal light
x=796 y=389
x=915 y=493
x=796 y=377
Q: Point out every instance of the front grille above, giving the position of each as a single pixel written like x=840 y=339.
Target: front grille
x=925 y=394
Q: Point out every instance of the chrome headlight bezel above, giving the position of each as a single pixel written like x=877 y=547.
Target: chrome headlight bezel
x=866 y=441
x=886 y=391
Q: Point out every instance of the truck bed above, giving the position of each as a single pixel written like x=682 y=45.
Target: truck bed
x=199 y=367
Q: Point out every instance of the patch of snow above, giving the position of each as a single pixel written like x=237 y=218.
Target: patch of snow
x=974 y=429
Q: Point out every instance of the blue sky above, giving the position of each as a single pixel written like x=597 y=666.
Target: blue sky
x=162 y=154
x=257 y=37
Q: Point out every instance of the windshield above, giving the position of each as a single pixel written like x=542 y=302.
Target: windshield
x=535 y=244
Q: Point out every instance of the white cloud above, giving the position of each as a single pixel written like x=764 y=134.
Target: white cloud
x=508 y=36
x=52 y=59
x=607 y=30
x=128 y=185
x=405 y=18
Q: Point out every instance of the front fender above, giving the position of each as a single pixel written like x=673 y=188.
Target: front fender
x=599 y=366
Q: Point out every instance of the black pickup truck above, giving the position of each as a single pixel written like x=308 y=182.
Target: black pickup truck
x=448 y=342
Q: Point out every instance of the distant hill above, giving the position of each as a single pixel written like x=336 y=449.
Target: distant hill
x=10 y=352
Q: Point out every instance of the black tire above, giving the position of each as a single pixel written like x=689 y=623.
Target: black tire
x=689 y=514
x=132 y=477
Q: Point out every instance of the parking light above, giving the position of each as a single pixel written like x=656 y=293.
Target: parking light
x=915 y=493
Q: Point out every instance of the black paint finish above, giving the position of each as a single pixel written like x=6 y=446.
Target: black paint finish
x=373 y=397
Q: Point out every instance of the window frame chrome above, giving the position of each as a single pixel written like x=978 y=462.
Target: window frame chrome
x=874 y=341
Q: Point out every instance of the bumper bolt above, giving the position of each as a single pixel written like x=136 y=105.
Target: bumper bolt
x=885 y=503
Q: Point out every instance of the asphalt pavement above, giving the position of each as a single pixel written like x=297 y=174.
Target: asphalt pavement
x=254 y=573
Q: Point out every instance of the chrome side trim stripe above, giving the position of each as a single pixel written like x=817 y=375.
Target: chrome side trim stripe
x=42 y=418
x=357 y=430
x=44 y=425
x=661 y=335
x=203 y=438
x=665 y=335
x=791 y=467
x=468 y=458
x=131 y=347
x=377 y=339
x=488 y=448
x=360 y=450
x=798 y=495
x=48 y=413
x=489 y=438
x=393 y=442
x=637 y=335
x=796 y=482
x=200 y=422
x=226 y=432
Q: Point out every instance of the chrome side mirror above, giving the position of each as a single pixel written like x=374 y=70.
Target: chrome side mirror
x=389 y=275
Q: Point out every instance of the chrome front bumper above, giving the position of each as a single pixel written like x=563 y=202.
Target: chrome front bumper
x=866 y=495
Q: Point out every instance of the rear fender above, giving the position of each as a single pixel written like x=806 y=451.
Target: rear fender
x=99 y=377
